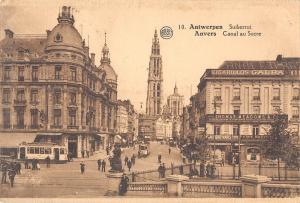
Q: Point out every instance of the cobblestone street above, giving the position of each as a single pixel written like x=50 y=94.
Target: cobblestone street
x=65 y=180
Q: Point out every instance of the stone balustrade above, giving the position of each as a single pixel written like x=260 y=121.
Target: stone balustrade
x=211 y=189
x=280 y=190
x=250 y=186
x=147 y=189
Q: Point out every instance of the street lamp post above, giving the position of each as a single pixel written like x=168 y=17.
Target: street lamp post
x=215 y=112
x=240 y=172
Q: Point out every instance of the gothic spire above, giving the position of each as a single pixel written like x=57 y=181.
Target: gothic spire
x=155 y=44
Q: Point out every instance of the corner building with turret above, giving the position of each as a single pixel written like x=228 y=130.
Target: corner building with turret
x=52 y=91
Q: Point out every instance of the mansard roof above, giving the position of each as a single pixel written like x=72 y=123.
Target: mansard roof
x=279 y=63
x=30 y=45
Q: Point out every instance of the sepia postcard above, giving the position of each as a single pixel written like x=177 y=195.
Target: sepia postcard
x=194 y=101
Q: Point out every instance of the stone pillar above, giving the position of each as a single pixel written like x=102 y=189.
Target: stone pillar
x=251 y=185
x=174 y=184
x=113 y=183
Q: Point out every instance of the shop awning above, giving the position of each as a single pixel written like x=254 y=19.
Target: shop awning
x=118 y=137
x=8 y=140
x=49 y=134
x=101 y=135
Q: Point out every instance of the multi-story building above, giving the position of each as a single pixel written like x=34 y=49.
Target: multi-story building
x=237 y=102
x=127 y=120
x=175 y=103
x=52 y=91
x=122 y=119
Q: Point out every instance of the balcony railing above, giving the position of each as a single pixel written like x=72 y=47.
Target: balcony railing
x=295 y=116
x=73 y=127
x=276 y=98
x=20 y=126
x=35 y=126
x=56 y=126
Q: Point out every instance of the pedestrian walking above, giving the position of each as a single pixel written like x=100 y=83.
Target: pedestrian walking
x=82 y=167
x=133 y=159
x=202 y=169
x=87 y=153
x=26 y=164
x=129 y=164
x=48 y=161
x=126 y=160
x=18 y=168
x=99 y=164
x=103 y=166
x=181 y=169
x=172 y=168
x=163 y=170
x=160 y=171
x=107 y=150
x=11 y=175
x=159 y=158
x=82 y=153
x=208 y=168
x=169 y=150
x=38 y=166
x=33 y=164
x=4 y=173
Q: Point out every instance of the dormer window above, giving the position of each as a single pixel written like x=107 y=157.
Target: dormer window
x=58 y=38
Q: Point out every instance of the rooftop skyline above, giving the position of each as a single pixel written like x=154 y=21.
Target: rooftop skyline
x=185 y=57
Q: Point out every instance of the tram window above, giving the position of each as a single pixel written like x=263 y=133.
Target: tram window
x=42 y=150
x=36 y=150
x=31 y=150
x=48 y=151
x=62 y=150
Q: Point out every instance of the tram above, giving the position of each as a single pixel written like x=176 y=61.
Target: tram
x=41 y=151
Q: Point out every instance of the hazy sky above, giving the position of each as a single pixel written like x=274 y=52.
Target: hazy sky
x=130 y=27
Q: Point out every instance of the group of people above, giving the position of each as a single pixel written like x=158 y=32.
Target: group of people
x=129 y=162
x=11 y=170
x=85 y=153
x=207 y=170
x=101 y=165
x=162 y=171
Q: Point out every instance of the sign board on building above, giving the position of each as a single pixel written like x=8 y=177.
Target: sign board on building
x=242 y=118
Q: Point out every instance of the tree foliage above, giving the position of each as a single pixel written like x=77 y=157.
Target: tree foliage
x=279 y=142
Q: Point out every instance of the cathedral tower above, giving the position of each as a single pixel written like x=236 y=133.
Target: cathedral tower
x=155 y=79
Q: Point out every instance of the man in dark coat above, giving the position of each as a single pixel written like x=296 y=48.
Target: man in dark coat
x=11 y=175
x=126 y=160
x=160 y=171
x=18 y=168
x=4 y=173
x=99 y=164
x=48 y=161
x=202 y=169
x=129 y=164
x=103 y=166
x=163 y=170
x=82 y=167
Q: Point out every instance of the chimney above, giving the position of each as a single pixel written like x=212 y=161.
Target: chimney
x=48 y=32
x=8 y=33
x=93 y=58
